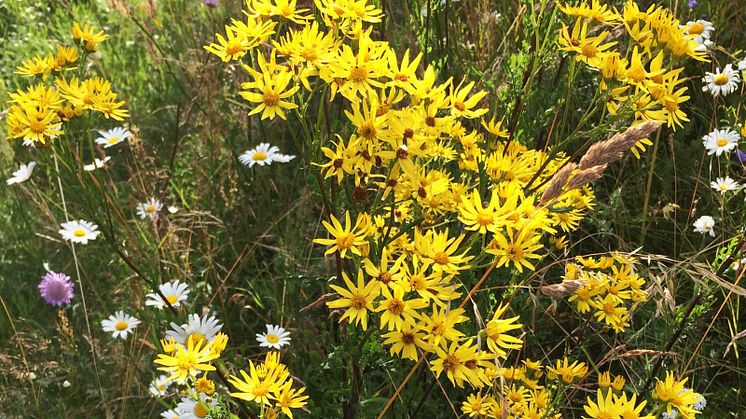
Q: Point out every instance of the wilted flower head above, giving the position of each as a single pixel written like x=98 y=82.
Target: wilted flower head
x=56 y=289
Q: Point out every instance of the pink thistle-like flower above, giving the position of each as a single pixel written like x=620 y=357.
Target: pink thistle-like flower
x=56 y=289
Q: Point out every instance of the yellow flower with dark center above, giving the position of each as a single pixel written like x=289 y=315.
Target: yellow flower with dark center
x=498 y=339
x=356 y=299
x=347 y=238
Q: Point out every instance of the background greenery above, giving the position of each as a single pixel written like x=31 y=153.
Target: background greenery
x=242 y=238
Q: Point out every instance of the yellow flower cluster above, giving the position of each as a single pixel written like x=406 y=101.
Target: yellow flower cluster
x=637 y=76
x=608 y=286
x=37 y=113
x=270 y=386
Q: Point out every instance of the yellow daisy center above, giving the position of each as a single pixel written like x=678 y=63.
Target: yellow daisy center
x=113 y=140
x=358 y=75
x=161 y=387
x=345 y=240
x=358 y=301
x=396 y=307
x=79 y=232
x=270 y=99
x=260 y=155
x=696 y=28
x=407 y=338
x=120 y=325
x=589 y=50
x=233 y=48
x=171 y=299
x=722 y=142
x=460 y=106
x=441 y=258
x=484 y=218
x=200 y=411
x=150 y=208
x=196 y=338
x=272 y=338
x=720 y=79
x=451 y=363
x=37 y=127
x=604 y=415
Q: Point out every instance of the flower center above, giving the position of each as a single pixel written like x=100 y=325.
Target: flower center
x=384 y=277
x=358 y=301
x=401 y=77
x=171 y=299
x=407 y=338
x=196 y=338
x=696 y=28
x=460 y=106
x=260 y=155
x=150 y=208
x=589 y=50
x=396 y=307
x=233 y=48
x=451 y=363
x=79 y=232
x=345 y=240
x=113 y=140
x=441 y=258
x=609 y=308
x=720 y=79
x=722 y=142
x=200 y=411
x=272 y=338
x=37 y=127
x=270 y=99
x=121 y=325
x=484 y=218
x=604 y=415
x=358 y=75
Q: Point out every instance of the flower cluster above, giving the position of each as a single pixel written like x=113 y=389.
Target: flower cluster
x=38 y=113
x=607 y=286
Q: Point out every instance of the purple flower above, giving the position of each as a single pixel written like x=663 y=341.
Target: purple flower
x=692 y=4
x=56 y=289
x=740 y=156
x=214 y=3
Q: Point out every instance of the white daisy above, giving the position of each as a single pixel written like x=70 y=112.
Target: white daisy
x=79 y=231
x=702 y=30
x=172 y=414
x=705 y=225
x=198 y=328
x=149 y=208
x=113 y=136
x=721 y=140
x=174 y=291
x=263 y=154
x=721 y=82
x=96 y=164
x=159 y=386
x=736 y=265
x=275 y=338
x=191 y=409
x=120 y=324
x=724 y=185
x=672 y=414
x=742 y=65
x=22 y=174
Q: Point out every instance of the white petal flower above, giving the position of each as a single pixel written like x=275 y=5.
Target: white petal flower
x=80 y=231
x=113 y=137
x=724 y=185
x=159 y=386
x=719 y=141
x=264 y=154
x=721 y=82
x=174 y=291
x=172 y=414
x=275 y=338
x=702 y=30
x=149 y=209
x=97 y=164
x=191 y=409
x=705 y=225
x=198 y=328
x=120 y=324
x=22 y=174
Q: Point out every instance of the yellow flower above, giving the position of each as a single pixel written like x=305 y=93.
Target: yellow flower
x=590 y=50
x=204 y=385
x=497 y=338
x=453 y=362
x=287 y=398
x=88 y=37
x=405 y=340
x=255 y=388
x=478 y=405
x=358 y=300
x=441 y=326
x=568 y=371
x=395 y=309
x=605 y=408
x=463 y=107
x=36 y=66
x=186 y=362
x=596 y=10
x=348 y=238
x=271 y=86
x=33 y=123
x=518 y=250
x=674 y=394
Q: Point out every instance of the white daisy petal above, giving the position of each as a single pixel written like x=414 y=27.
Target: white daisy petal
x=80 y=231
x=120 y=324
x=22 y=174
